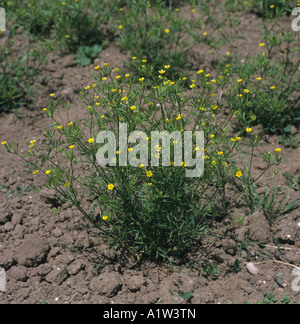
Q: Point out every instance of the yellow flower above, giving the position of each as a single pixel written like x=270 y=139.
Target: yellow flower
x=200 y=72
x=52 y=95
x=133 y=107
x=261 y=45
x=204 y=34
x=272 y=88
x=248 y=130
x=246 y=90
x=87 y=87
x=97 y=67
x=272 y=6
x=142 y=79
x=35 y=172
x=91 y=140
x=167 y=67
x=127 y=75
x=278 y=150
x=240 y=80
x=239 y=174
x=70 y=124
x=240 y=95
x=161 y=71
x=233 y=140
x=167 y=31
x=238 y=139
x=110 y=186
x=104 y=79
x=114 y=90
x=67 y=36
x=104 y=218
x=71 y=147
x=258 y=79
x=150 y=184
x=212 y=136
x=48 y=172
x=120 y=27
x=141 y=166
x=149 y=174
x=130 y=149
x=220 y=153
x=134 y=58
x=192 y=86
x=118 y=77
x=45 y=109
x=67 y=185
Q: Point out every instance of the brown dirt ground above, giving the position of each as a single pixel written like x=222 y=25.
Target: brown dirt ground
x=59 y=258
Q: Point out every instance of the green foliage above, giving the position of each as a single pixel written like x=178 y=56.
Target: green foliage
x=292 y=181
x=147 y=210
x=270 y=9
x=86 y=54
x=273 y=207
x=273 y=96
x=64 y=25
x=211 y=270
x=157 y=34
x=154 y=211
x=15 y=80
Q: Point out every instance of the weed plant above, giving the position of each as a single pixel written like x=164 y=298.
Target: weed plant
x=147 y=210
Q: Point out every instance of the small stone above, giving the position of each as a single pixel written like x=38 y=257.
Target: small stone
x=252 y=268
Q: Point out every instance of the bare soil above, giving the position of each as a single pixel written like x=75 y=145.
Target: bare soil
x=58 y=258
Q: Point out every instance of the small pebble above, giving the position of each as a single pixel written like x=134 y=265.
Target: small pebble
x=252 y=268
